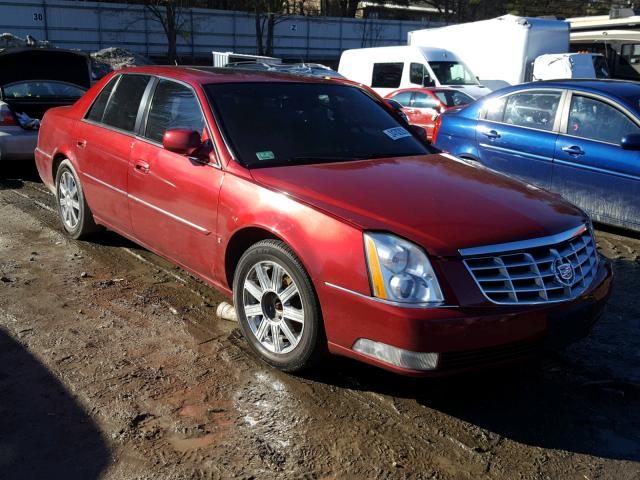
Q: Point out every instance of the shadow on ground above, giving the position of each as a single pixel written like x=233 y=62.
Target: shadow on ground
x=44 y=432
x=12 y=173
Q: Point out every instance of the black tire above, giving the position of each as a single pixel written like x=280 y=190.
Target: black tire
x=84 y=225
x=312 y=344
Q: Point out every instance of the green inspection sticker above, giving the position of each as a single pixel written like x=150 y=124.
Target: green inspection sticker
x=266 y=155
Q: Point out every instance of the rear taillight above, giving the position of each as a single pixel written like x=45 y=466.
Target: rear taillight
x=436 y=127
x=6 y=115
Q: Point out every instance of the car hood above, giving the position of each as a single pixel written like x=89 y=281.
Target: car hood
x=437 y=201
x=18 y=64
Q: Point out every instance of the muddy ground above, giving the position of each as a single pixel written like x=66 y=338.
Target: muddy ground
x=113 y=365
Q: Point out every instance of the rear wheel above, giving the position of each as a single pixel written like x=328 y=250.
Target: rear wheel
x=74 y=212
x=277 y=307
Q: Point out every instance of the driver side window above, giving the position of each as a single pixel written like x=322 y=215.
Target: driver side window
x=417 y=72
x=596 y=120
x=173 y=106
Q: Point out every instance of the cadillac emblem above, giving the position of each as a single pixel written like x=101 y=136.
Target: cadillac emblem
x=563 y=271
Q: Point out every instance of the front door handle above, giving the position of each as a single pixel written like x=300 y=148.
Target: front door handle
x=81 y=143
x=491 y=134
x=142 y=167
x=573 y=150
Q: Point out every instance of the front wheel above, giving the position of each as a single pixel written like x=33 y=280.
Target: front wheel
x=277 y=307
x=74 y=212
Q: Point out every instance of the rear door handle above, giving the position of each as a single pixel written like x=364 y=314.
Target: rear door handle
x=81 y=143
x=491 y=134
x=573 y=150
x=142 y=167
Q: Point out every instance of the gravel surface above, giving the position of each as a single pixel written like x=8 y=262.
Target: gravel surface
x=113 y=365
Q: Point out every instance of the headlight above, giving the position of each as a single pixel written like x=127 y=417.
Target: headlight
x=399 y=270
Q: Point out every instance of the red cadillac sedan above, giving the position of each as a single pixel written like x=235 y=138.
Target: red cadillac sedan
x=334 y=228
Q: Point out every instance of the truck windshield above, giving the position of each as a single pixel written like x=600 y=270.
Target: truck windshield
x=453 y=73
x=286 y=123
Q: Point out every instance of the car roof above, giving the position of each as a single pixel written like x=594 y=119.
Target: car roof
x=207 y=75
x=620 y=88
x=623 y=91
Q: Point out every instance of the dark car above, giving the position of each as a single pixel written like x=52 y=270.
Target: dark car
x=579 y=138
x=32 y=80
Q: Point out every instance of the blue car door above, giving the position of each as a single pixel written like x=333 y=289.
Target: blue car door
x=591 y=169
x=517 y=133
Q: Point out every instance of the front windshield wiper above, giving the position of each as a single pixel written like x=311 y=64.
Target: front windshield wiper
x=323 y=158
x=370 y=156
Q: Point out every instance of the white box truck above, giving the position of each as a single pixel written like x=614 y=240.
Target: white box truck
x=386 y=69
x=503 y=51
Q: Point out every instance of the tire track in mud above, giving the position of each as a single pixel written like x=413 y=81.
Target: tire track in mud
x=45 y=200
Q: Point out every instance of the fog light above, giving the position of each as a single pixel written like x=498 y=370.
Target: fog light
x=396 y=356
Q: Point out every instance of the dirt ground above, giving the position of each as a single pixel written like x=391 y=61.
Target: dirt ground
x=113 y=365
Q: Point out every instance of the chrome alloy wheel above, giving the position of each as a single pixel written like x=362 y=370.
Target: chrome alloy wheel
x=273 y=307
x=69 y=199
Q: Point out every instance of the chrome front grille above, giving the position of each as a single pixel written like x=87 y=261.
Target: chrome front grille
x=550 y=269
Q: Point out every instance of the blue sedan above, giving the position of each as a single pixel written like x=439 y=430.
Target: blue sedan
x=578 y=138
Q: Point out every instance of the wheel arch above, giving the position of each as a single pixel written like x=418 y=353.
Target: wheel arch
x=469 y=156
x=239 y=243
x=55 y=164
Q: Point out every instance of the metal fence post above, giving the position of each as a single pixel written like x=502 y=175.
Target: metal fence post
x=99 y=6
x=44 y=17
x=193 y=33
x=146 y=31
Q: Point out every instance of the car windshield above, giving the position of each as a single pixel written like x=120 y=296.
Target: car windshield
x=453 y=98
x=453 y=73
x=41 y=89
x=284 y=123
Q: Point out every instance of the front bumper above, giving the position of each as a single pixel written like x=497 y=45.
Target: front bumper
x=464 y=338
x=16 y=143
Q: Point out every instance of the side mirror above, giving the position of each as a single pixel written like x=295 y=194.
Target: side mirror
x=630 y=142
x=421 y=132
x=181 y=140
x=427 y=81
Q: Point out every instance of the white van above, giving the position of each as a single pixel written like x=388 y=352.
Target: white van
x=386 y=69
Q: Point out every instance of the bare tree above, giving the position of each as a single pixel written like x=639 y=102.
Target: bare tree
x=169 y=14
x=372 y=32
x=268 y=13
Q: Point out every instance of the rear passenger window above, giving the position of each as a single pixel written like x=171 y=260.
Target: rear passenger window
x=173 y=106
x=422 y=100
x=97 y=109
x=387 y=75
x=403 y=98
x=532 y=109
x=122 y=110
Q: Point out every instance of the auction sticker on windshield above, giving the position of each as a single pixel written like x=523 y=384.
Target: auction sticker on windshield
x=396 y=133
x=266 y=155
